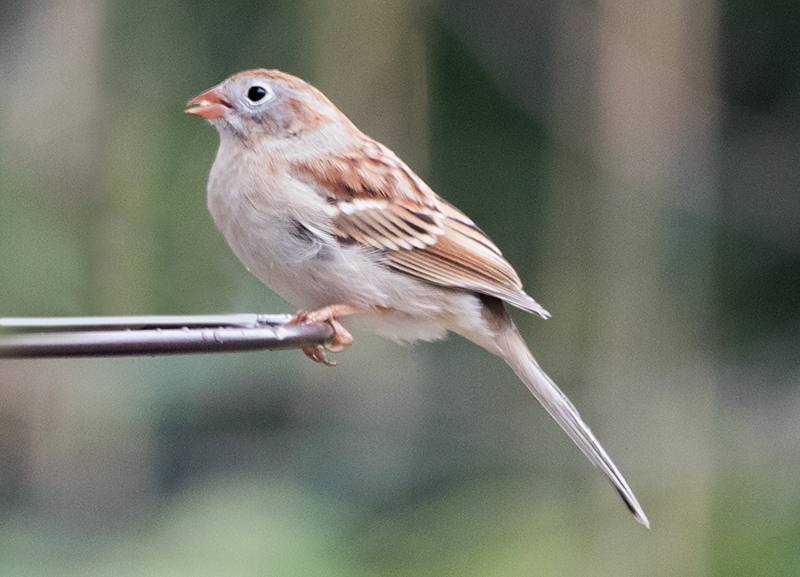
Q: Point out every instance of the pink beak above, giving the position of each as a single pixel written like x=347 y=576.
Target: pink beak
x=211 y=104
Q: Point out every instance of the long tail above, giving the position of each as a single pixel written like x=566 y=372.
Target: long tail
x=516 y=354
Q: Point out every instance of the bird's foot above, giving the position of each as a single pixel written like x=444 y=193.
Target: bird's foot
x=341 y=336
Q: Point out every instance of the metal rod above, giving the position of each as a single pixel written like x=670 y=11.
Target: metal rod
x=154 y=335
x=35 y=324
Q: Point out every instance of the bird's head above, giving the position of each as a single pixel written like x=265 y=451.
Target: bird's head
x=261 y=103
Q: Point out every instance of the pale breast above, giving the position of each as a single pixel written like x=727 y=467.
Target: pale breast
x=280 y=229
x=276 y=226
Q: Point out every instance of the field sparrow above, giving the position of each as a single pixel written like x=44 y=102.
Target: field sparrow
x=337 y=224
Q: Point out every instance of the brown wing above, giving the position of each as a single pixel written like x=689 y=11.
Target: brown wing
x=376 y=201
x=464 y=257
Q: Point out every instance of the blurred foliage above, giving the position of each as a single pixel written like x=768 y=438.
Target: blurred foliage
x=759 y=264
x=488 y=156
x=675 y=296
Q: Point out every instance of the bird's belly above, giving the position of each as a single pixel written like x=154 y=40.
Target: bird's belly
x=298 y=265
x=312 y=272
x=311 y=275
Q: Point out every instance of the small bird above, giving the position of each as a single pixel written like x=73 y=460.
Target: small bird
x=335 y=223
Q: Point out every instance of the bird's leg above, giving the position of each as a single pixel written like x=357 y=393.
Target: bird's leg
x=341 y=337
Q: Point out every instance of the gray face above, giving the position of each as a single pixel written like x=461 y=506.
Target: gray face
x=263 y=108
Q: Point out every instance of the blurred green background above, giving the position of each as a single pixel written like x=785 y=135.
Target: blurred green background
x=638 y=163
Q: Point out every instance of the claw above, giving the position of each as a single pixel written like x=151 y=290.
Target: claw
x=317 y=354
x=341 y=337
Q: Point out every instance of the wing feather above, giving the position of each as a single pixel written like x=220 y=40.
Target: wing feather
x=376 y=201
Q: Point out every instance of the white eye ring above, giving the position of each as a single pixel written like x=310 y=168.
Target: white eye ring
x=258 y=93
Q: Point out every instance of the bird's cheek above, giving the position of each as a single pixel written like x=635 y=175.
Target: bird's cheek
x=231 y=125
x=295 y=127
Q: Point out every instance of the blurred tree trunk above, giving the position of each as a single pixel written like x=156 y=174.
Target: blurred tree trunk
x=635 y=103
x=370 y=60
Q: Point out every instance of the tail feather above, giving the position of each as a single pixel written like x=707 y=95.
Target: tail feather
x=516 y=354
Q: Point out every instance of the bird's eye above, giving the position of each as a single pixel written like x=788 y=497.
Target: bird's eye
x=256 y=93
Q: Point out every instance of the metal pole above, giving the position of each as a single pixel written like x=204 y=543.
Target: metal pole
x=154 y=335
